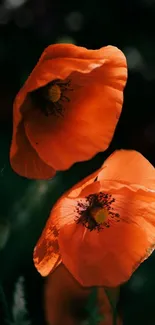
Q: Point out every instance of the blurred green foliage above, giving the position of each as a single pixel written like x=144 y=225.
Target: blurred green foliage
x=25 y=30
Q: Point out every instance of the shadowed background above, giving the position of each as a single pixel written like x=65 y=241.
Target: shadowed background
x=26 y=28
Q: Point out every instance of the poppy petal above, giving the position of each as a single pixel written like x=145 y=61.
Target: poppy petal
x=64 y=50
x=128 y=242
x=45 y=264
x=24 y=159
x=66 y=300
x=62 y=294
x=60 y=60
x=52 y=69
x=43 y=252
x=79 y=189
x=128 y=167
x=89 y=118
x=43 y=74
x=109 y=257
x=46 y=254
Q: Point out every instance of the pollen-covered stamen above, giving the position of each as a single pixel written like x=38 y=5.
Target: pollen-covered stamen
x=100 y=215
x=54 y=93
x=50 y=98
x=97 y=212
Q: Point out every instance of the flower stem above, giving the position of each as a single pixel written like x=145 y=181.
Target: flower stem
x=114 y=310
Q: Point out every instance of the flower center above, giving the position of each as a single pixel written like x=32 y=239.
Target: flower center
x=97 y=212
x=51 y=97
x=54 y=93
x=100 y=215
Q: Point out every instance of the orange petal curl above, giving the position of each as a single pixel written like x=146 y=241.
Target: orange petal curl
x=26 y=160
x=46 y=253
x=110 y=256
x=98 y=78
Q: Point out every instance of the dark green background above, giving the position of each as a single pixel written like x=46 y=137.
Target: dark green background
x=24 y=205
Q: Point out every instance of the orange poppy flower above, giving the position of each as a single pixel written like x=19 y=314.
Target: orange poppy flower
x=68 y=109
x=66 y=300
x=105 y=226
